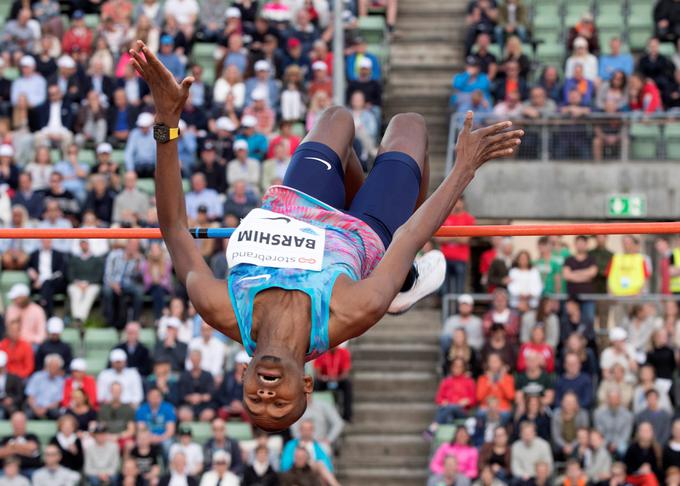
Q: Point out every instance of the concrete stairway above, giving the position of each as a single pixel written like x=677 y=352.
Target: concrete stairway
x=395 y=379
x=424 y=55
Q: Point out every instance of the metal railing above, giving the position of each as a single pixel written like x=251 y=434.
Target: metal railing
x=598 y=137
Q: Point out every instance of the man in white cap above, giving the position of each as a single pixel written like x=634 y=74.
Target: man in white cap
x=466 y=320
x=621 y=352
x=129 y=379
x=53 y=344
x=243 y=167
x=79 y=380
x=66 y=80
x=359 y=58
x=265 y=82
x=30 y=84
x=140 y=150
x=31 y=316
x=220 y=474
x=11 y=390
x=259 y=108
x=321 y=81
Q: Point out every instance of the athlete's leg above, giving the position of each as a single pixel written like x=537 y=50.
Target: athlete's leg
x=325 y=165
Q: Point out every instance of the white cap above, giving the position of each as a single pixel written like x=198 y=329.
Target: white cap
x=249 y=121
x=240 y=145
x=66 y=62
x=117 y=355
x=466 y=299
x=27 y=61
x=262 y=65
x=145 y=120
x=366 y=63
x=320 y=66
x=6 y=150
x=580 y=42
x=258 y=95
x=242 y=358
x=617 y=334
x=172 y=322
x=55 y=325
x=233 y=13
x=221 y=455
x=18 y=290
x=225 y=123
x=104 y=148
x=3 y=359
x=79 y=364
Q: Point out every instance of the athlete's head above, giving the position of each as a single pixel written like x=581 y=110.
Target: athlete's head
x=275 y=390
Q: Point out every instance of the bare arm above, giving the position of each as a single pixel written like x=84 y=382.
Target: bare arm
x=208 y=294
x=371 y=297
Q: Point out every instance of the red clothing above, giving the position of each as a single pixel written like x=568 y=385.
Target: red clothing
x=459 y=252
x=19 y=357
x=649 y=99
x=485 y=260
x=76 y=40
x=333 y=364
x=453 y=389
x=543 y=349
x=503 y=390
x=89 y=386
x=293 y=142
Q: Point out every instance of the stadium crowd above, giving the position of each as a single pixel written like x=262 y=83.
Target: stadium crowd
x=541 y=389
x=77 y=150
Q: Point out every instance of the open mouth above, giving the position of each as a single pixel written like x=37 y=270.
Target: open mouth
x=269 y=378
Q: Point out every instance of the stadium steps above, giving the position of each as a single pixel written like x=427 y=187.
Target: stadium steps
x=395 y=379
x=424 y=55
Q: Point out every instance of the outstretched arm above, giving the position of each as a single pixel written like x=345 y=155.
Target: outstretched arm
x=209 y=295
x=473 y=149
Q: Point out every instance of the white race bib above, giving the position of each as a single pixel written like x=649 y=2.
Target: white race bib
x=271 y=239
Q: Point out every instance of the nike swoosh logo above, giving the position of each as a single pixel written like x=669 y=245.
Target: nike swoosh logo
x=327 y=164
x=265 y=276
x=287 y=220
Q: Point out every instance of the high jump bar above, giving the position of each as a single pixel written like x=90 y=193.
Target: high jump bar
x=444 y=231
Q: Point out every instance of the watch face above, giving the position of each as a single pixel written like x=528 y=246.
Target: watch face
x=161 y=133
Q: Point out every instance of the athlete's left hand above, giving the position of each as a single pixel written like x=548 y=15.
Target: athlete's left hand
x=475 y=147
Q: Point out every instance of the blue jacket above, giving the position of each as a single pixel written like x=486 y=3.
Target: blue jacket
x=173 y=63
x=288 y=455
x=352 y=62
x=257 y=145
x=463 y=85
x=273 y=87
x=582 y=386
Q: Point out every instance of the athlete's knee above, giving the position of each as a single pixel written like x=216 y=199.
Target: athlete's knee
x=409 y=121
x=338 y=115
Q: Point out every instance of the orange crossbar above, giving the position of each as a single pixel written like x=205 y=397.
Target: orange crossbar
x=491 y=230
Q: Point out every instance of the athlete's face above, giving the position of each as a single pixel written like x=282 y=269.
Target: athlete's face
x=275 y=391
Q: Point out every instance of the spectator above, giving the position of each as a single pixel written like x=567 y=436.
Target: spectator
x=178 y=473
x=243 y=168
x=85 y=273
x=11 y=476
x=615 y=61
x=102 y=458
x=167 y=56
x=582 y=56
x=229 y=396
x=615 y=423
x=146 y=456
x=138 y=355
x=264 y=84
x=587 y=30
x=616 y=382
x=201 y=195
x=196 y=389
x=501 y=313
x=121 y=283
x=213 y=352
x=236 y=54
x=457 y=250
x=53 y=344
x=15 y=252
x=671 y=451
x=274 y=169
x=550 y=82
x=575 y=109
x=122 y=116
x=45 y=389
x=54 y=120
x=213 y=171
x=231 y=82
x=332 y=373
x=619 y=352
x=46 y=269
x=659 y=418
x=566 y=420
x=158 y=416
x=240 y=201
x=140 y=149
x=666 y=20
x=302 y=471
x=177 y=316
x=170 y=348
x=131 y=201
x=321 y=81
x=534 y=379
x=640 y=326
x=537 y=346
x=524 y=281
x=482 y=16
x=496 y=383
x=498 y=342
x=359 y=57
x=54 y=473
x=21 y=444
x=79 y=380
x=220 y=474
x=260 y=471
x=327 y=423
x=321 y=462
x=69 y=444
x=654 y=65
x=118 y=417
x=371 y=88
x=67 y=201
x=467 y=82
x=29 y=315
x=466 y=455
x=19 y=353
x=497 y=273
x=513 y=20
x=613 y=92
x=450 y=473
x=643 y=457
x=466 y=320
x=11 y=391
x=528 y=452
x=73 y=178
x=257 y=142
x=584 y=87
x=100 y=198
x=220 y=441
x=662 y=357
x=33 y=201
x=644 y=95
x=575 y=381
x=515 y=66
x=29 y=84
x=81 y=410
x=129 y=379
x=191 y=451
x=545 y=316
x=578 y=272
x=599 y=468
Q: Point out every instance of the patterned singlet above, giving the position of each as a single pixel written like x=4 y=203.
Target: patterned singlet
x=351 y=248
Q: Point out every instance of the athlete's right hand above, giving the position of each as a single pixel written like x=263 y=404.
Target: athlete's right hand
x=169 y=96
x=475 y=147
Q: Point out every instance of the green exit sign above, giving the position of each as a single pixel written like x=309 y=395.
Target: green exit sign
x=626 y=206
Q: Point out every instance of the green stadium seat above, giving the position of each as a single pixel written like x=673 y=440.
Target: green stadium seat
x=92 y=20
x=644 y=140
x=55 y=155
x=88 y=157
x=11 y=73
x=444 y=434
x=118 y=156
x=672 y=136
x=372 y=28
x=609 y=21
x=381 y=51
x=551 y=53
x=147 y=185
x=299 y=129
x=44 y=429
x=547 y=16
x=239 y=430
x=638 y=38
x=640 y=16
x=96 y=361
x=100 y=340
x=324 y=396
x=201 y=431
x=10 y=277
x=667 y=49
x=5 y=428
x=147 y=336
x=71 y=336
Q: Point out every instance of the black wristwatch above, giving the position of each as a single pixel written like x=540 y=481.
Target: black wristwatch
x=164 y=134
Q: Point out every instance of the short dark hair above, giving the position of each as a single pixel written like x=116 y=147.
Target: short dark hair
x=581 y=238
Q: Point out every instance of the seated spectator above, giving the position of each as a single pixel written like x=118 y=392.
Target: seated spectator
x=644 y=95
x=220 y=475
x=130 y=200
x=121 y=285
x=91 y=120
x=616 y=382
x=496 y=454
x=176 y=315
x=358 y=52
x=575 y=109
x=516 y=65
x=498 y=343
x=615 y=61
x=69 y=444
x=19 y=353
x=654 y=65
x=178 y=472
x=15 y=252
x=29 y=315
x=12 y=391
x=146 y=455
x=643 y=457
x=257 y=142
x=321 y=81
x=213 y=352
x=158 y=416
x=229 y=395
x=524 y=281
x=263 y=83
x=101 y=198
x=658 y=417
x=53 y=472
x=118 y=417
x=671 y=96
x=230 y=82
x=618 y=352
x=545 y=315
x=201 y=195
x=138 y=355
x=328 y=425
x=32 y=200
x=166 y=55
x=455 y=396
x=85 y=273
x=53 y=344
x=450 y=473
x=666 y=20
x=587 y=30
x=584 y=87
x=79 y=380
x=67 y=200
x=274 y=169
x=170 y=348
x=320 y=462
x=614 y=422
x=537 y=346
x=29 y=84
x=45 y=389
x=466 y=320
x=482 y=16
x=82 y=411
x=575 y=324
x=220 y=441
x=285 y=135
x=467 y=82
x=640 y=326
x=581 y=56
x=365 y=126
x=599 y=467
x=671 y=450
x=501 y=313
x=332 y=371
x=550 y=82
x=121 y=116
x=371 y=88
x=510 y=107
x=534 y=379
x=496 y=382
x=243 y=168
x=11 y=476
x=532 y=409
x=566 y=420
x=21 y=444
x=613 y=91
x=102 y=458
x=513 y=20
x=190 y=449
x=196 y=389
x=303 y=471
x=118 y=372
x=260 y=471
x=9 y=172
x=528 y=453
x=213 y=171
x=140 y=148
x=466 y=455
x=661 y=356
x=54 y=120
x=74 y=175
x=575 y=381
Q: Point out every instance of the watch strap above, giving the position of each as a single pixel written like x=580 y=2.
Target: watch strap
x=173 y=133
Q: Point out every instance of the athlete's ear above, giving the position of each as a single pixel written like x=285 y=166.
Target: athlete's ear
x=309 y=384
